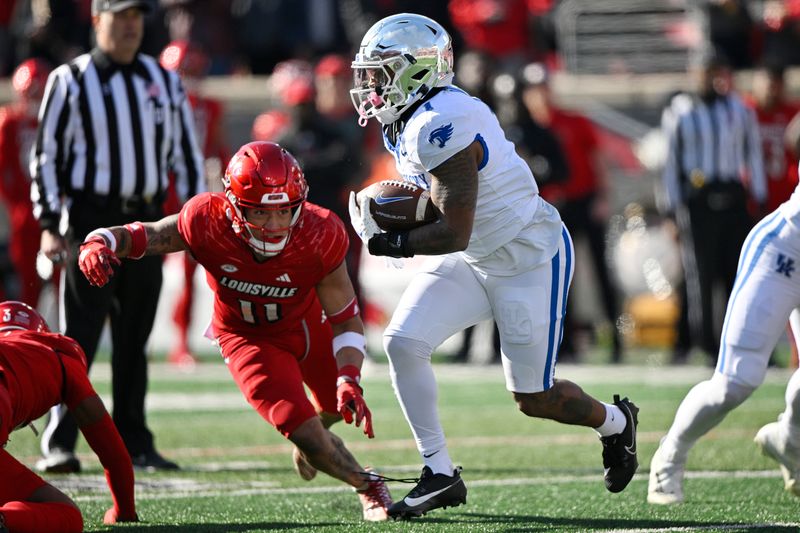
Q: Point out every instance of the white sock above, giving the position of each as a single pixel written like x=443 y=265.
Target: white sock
x=615 y=421
x=439 y=461
x=415 y=386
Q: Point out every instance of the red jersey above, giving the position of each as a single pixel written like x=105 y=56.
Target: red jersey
x=17 y=135
x=42 y=370
x=261 y=298
x=499 y=29
x=579 y=140
x=779 y=163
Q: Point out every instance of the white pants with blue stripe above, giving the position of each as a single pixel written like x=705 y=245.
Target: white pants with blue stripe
x=449 y=296
x=766 y=290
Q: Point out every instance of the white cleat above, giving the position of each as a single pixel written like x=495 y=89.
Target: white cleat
x=774 y=446
x=666 y=481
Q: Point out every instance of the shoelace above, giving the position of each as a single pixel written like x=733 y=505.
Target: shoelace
x=373 y=476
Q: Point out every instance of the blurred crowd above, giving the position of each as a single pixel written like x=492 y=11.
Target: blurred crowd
x=507 y=51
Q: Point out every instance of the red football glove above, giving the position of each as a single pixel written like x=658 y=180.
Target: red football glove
x=97 y=261
x=351 y=402
x=111 y=517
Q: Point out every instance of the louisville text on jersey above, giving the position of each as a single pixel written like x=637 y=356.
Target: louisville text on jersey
x=257 y=289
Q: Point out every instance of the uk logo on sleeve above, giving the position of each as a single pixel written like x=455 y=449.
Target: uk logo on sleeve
x=441 y=135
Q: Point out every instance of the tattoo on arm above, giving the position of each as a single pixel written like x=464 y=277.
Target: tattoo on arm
x=162 y=237
x=454 y=191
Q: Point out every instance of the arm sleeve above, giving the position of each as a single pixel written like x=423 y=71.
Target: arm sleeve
x=78 y=386
x=106 y=442
x=187 y=157
x=54 y=134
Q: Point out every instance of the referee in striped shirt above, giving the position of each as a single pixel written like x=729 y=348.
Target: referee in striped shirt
x=714 y=163
x=113 y=124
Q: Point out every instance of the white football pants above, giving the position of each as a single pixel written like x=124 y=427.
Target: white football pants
x=449 y=296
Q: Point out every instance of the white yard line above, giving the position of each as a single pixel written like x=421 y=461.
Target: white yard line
x=655 y=373
x=182 y=488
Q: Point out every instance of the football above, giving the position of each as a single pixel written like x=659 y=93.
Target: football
x=399 y=205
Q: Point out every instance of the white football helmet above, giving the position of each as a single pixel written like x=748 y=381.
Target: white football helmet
x=400 y=59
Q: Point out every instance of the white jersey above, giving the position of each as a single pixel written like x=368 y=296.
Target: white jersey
x=509 y=207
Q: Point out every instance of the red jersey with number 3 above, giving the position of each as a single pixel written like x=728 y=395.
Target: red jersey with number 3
x=261 y=298
x=42 y=370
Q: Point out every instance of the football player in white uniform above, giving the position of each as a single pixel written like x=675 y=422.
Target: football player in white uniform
x=503 y=253
x=766 y=291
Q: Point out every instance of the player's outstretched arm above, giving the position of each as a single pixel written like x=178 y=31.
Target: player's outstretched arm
x=103 y=437
x=338 y=300
x=102 y=248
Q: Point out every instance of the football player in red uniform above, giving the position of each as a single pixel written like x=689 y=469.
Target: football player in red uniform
x=39 y=369
x=18 y=123
x=285 y=312
x=191 y=64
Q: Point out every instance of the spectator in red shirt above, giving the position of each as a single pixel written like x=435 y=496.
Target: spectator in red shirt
x=18 y=124
x=774 y=111
x=499 y=28
x=39 y=369
x=582 y=199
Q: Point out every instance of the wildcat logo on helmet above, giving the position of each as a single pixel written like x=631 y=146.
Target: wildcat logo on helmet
x=257 y=289
x=441 y=135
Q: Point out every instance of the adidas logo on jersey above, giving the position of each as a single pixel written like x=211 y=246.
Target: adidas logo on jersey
x=284 y=278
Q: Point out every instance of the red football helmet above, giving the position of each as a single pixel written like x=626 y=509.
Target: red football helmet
x=262 y=175
x=30 y=78
x=185 y=58
x=18 y=315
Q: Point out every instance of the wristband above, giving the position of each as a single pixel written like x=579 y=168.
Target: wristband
x=353 y=339
x=111 y=241
x=349 y=374
x=138 y=240
x=392 y=243
x=349 y=311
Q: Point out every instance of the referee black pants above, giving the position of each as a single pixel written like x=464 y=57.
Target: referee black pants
x=713 y=226
x=129 y=301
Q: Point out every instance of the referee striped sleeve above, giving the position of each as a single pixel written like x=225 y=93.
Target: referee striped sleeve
x=52 y=140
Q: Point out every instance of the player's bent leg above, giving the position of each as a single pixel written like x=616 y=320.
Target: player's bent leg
x=616 y=424
x=705 y=406
x=48 y=517
x=326 y=452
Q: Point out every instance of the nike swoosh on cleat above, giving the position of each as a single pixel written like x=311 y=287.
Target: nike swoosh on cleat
x=632 y=449
x=413 y=502
x=382 y=200
x=429 y=455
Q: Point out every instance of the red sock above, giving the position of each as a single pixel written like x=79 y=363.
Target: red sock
x=29 y=517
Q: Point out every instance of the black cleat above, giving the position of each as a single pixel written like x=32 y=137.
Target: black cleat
x=152 y=461
x=432 y=492
x=619 y=450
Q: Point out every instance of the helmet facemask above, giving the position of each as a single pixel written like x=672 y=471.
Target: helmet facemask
x=264 y=176
x=267 y=243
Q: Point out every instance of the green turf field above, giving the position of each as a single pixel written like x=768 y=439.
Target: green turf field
x=522 y=474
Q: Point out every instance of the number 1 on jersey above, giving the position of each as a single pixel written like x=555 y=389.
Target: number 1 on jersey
x=271 y=312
